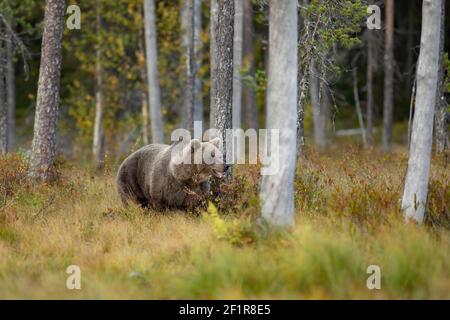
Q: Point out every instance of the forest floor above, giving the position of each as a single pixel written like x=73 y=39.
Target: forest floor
x=348 y=218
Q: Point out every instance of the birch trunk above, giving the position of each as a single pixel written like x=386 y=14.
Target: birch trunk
x=222 y=83
x=97 y=152
x=3 y=104
x=277 y=191
x=11 y=93
x=441 y=133
x=251 y=111
x=388 y=105
x=154 y=91
x=44 y=138
x=358 y=107
x=416 y=184
x=237 y=66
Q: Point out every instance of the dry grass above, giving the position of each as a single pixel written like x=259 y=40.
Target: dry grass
x=348 y=219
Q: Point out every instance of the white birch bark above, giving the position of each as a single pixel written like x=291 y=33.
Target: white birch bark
x=277 y=191
x=416 y=184
x=97 y=152
x=154 y=91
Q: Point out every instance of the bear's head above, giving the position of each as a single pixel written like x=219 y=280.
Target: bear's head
x=197 y=161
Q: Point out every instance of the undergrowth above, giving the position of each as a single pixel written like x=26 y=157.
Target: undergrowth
x=347 y=218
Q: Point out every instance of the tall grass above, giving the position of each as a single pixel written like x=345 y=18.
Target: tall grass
x=348 y=218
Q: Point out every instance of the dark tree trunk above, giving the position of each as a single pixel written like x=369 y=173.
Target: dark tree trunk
x=440 y=120
x=213 y=49
x=222 y=83
x=369 y=106
x=11 y=93
x=3 y=104
x=44 y=138
x=388 y=106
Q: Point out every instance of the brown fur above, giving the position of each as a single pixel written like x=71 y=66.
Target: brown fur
x=152 y=177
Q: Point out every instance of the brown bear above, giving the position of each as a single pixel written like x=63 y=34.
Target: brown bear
x=170 y=176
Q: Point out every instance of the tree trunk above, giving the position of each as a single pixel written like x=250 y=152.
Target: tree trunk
x=388 y=105
x=198 y=108
x=213 y=49
x=358 y=107
x=248 y=62
x=370 y=100
x=97 y=152
x=237 y=66
x=144 y=98
x=11 y=93
x=277 y=190
x=189 y=39
x=302 y=88
x=44 y=138
x=416 y=184
x=318 y=113
x=441 y=104
x=222 y=83
x=154 y=91
x=3 y=104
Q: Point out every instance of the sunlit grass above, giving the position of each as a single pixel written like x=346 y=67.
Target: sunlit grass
x=348 y=218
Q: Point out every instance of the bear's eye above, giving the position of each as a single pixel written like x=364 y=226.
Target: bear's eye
x=213 y=154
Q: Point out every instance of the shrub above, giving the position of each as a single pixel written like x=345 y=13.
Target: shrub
x=13 y=175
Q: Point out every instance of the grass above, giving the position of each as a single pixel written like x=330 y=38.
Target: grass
x=347 y=219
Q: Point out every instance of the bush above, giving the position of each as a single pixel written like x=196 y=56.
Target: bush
x=13 y=175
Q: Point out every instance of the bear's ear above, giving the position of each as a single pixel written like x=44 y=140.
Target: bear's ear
x=195 y=145
x=216 y=142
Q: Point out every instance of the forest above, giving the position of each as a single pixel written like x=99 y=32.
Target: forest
x=321 y=128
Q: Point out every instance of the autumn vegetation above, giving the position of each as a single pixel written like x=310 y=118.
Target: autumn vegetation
x=364 y=151
x=347 y=218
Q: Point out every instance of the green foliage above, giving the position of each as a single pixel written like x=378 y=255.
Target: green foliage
x=234 y=230
x=336 y=22
x=118 y=39
x=329 y=25
x=447 y=71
